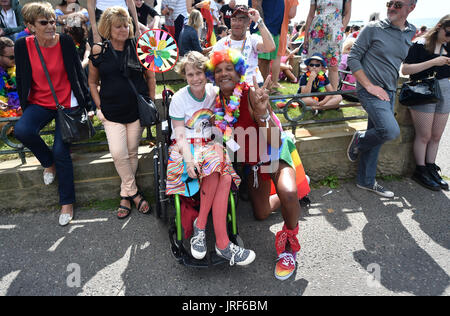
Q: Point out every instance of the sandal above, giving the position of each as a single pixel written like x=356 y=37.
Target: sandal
x=123 y=211
x=141 y=204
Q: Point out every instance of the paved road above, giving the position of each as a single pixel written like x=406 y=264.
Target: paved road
x=353 y=243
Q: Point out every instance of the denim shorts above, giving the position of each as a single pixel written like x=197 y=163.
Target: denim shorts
x=443 y=106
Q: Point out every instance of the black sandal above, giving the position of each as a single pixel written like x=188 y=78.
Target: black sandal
x=126 y=209
x=141 y=201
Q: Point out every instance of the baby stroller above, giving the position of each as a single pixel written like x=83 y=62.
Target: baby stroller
x=169 y=207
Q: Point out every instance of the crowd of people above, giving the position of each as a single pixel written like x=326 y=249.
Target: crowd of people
x=92 y=63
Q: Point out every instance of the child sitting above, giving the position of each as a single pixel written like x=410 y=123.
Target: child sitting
x=315 y=80
x=348 y=78
x=286 y=68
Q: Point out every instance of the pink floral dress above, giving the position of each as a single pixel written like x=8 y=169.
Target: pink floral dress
x=326 y=32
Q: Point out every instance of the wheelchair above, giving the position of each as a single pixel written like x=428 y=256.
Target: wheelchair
x=168 y=207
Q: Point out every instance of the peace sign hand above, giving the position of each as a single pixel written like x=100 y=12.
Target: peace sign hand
x=260 y=100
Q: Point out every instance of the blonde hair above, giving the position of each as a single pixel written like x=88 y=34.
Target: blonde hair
x=195 y=19
x=347 y=46
x=113 y=16
x=193 y=58
x=34 y=10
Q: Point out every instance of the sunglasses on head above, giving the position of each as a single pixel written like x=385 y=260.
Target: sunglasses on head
x=45 y=22
x=396 y=4
x=9 y=57
x=315 y=65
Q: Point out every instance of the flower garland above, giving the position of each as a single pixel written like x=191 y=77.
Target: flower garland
x=319 y=83
x=227 y=113
x=8 y=93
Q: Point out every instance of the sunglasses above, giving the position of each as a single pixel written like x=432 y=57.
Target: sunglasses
x=10 y=57
x=447 y=34
x=396 y=4
x=315 y=65
x=46 y=22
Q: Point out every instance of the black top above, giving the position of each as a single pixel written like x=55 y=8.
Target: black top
x=418 y=54
x=72 y=64
x=117 y=99
x=143 y=12
x=189 y=40
x=227 y=12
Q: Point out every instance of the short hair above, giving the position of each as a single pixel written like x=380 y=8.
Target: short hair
x=114 y=15
x=5 y=42
x=34 y=10
x=221 y=28
x=193 y=58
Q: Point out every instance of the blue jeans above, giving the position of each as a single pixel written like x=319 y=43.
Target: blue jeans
x=382 y=127
x=27 y=130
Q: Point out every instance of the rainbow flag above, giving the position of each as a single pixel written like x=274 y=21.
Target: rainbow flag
x=288 y=153
x=206 y=13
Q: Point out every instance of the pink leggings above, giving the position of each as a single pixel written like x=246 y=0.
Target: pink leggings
x=214 y=193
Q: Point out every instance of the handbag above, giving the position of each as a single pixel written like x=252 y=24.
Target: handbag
x=74 y=126
x=419 y=92
x=148 y=114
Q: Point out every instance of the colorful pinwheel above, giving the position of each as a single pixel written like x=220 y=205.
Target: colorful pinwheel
x=157 y=50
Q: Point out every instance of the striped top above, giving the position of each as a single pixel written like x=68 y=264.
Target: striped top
x=179 y=8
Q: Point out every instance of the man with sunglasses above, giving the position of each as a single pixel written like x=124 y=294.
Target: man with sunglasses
x=375 y=61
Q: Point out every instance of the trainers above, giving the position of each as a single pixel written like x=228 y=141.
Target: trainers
x=285 y=266
x=198 y=243
x=352 y=151
x=378 y=189
x=236 y=255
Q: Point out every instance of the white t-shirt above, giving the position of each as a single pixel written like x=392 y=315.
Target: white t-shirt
x=248 y=50
x=194 y=112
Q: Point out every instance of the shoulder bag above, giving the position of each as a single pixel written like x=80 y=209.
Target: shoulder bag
x=419 y=92
x=74 y=126
x=148 y=114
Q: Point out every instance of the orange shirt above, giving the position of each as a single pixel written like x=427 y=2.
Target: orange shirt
x=288 y=4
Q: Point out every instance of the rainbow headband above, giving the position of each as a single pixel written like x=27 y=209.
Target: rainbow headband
x=227 y=55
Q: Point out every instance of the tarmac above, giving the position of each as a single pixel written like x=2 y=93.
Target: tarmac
x=353 y=243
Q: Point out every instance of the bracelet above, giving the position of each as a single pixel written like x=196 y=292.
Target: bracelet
x=265 y=118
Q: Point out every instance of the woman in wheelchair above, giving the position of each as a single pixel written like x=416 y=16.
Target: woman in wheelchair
x=225 y=68
x=196 y=163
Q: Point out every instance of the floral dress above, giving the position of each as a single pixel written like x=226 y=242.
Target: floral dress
x=327 y=31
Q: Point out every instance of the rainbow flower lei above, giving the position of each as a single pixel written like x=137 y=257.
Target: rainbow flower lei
x=227 y=113
x=8 y=93
x=319 y=83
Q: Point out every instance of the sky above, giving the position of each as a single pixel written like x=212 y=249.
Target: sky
x=361 y=9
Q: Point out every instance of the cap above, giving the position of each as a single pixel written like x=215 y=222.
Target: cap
x=240 y=9
x=318 y=57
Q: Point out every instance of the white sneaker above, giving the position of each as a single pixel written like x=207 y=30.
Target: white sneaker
x=49 y=177
x=378 y=189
